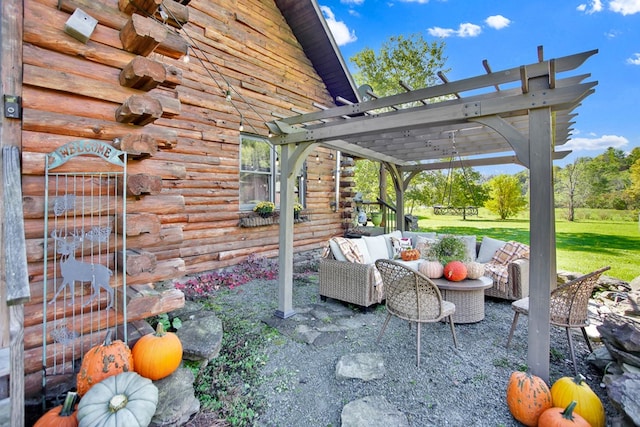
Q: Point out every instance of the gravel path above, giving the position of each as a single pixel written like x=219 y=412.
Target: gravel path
x=452 y=387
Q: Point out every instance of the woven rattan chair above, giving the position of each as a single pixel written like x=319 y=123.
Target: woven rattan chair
x=411 y=296
x=568 y=307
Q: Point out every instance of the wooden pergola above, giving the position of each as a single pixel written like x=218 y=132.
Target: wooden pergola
x=519 y=115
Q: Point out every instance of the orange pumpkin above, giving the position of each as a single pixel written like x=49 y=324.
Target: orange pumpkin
x=455 y=271
x=562 y=417
x=64 y=415
x=410 y=255
x=102 y=361
x=528 y=396
x=157 y=355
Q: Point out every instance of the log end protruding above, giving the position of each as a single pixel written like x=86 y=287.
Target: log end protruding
x=139 y=110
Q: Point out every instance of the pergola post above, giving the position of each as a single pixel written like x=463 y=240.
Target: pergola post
x=291 y=158
x=542 y=238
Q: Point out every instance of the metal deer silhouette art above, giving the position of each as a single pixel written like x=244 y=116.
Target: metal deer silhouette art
x=73 y=270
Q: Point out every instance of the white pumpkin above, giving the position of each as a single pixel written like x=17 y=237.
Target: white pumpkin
x=126 y=399
x=431 y=269
x=475 y=270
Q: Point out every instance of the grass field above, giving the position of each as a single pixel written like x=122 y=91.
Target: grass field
x=596 y=239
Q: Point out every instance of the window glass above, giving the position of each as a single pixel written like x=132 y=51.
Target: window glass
x=260 y=173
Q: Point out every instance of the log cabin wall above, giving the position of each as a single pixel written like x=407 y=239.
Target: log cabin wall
x=181 y=134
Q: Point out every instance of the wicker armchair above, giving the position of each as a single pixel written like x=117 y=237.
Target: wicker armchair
x=568 y=307
x=412 y=296
x=348 y=281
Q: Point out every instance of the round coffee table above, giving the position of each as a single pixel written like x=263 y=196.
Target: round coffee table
x=468 y=297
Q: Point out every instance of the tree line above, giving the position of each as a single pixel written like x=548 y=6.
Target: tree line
x=610 y=180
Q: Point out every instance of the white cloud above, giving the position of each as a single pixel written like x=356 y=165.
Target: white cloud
x=497 y=22
x=354 y=2
x=464 y=30
x=469 y=30
x=415 y=1
x=625 y=7
x=596 y=143
x=634 y=60
x=339 y=29
x=440 y=32
x=593 y=7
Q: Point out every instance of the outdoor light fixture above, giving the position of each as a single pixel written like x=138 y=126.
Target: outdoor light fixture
x=317 y=158
x=186 y=58
x=163 y=14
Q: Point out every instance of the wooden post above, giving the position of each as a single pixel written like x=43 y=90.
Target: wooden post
x=542 y=235
x=291 y=158
x=12 y=316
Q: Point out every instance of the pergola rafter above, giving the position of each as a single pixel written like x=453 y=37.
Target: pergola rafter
x=519 y=115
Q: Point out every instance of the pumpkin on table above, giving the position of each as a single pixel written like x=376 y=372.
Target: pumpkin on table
x=126 y=399
x=431 y=269
x=567 y=389
x=103 y=361
x=64 y=415
x=157 y=355
x=562 y=417
x=475 y=270
x=455 y=271
x=528 y=396
x=410 y=254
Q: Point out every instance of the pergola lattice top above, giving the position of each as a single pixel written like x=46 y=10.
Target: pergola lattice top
x=414 y=130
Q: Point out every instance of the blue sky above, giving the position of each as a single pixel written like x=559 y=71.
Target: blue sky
x=507 y=34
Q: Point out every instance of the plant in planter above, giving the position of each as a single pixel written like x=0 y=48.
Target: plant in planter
x=376 y=218
x=297 y=208
x=448 y=249
x=265 y=208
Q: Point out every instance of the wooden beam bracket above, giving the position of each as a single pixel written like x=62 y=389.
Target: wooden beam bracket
x=139 y=110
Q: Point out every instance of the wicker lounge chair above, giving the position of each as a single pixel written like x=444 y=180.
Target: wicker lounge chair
x=568 y=307
x=411 y=296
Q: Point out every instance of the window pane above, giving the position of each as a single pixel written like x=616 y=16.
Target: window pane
x=253 y=188
x=255 y=155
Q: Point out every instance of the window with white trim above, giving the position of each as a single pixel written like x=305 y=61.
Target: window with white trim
x=260 y=173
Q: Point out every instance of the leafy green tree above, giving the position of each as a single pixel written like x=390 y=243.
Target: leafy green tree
x=460 y=188
x=411 y=60
x=367 y=177
x=633 y=191
x=505 y=196
x=608 y=176
x=571 y=188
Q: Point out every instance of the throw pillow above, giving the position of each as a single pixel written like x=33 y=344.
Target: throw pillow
x=470 y=243
x=424 y=245
x=413 y=235
x=509 y=252
x=397 y=234
x=488 y=248
x=377 y=246
x=364 y=251
x=349 y=250
x=396 y=244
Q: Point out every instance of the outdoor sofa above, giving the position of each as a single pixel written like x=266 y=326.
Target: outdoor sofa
x=357 y=282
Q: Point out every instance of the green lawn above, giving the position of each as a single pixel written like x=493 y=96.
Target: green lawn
x=582 y=246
